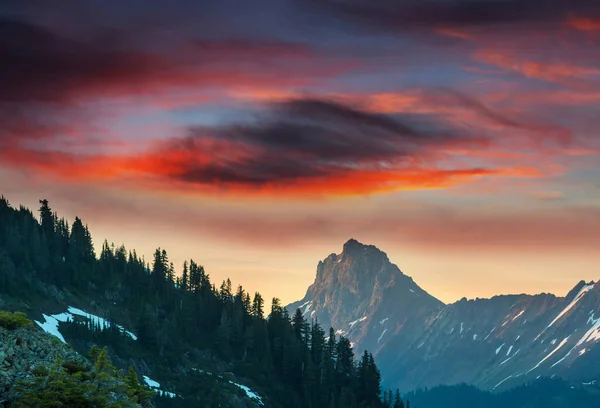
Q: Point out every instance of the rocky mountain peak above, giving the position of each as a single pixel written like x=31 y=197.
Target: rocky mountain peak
x=359 y=288
x=358 y=264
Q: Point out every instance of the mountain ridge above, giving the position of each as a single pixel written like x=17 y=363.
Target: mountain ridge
x=416 y=337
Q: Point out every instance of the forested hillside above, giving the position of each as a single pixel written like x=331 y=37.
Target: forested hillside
x=542 y=393
x=199 y=340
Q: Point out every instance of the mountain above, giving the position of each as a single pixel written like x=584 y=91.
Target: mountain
x=418 y=341
x=366 y=298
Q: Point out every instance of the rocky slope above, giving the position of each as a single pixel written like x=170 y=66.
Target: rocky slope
x=418 y=341
x=27 y=349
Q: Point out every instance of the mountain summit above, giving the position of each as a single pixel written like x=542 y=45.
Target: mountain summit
x=358 y=290
x=418 y=341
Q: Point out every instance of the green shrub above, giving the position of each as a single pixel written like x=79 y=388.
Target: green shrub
x=12 y=321
x=73 y=367
x=40 y=371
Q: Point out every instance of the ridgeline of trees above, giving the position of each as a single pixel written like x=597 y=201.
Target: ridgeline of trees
x=174 y=314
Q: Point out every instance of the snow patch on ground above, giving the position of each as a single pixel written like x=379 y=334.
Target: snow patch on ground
x=488 y=335
x=518 y=337
x=50 y=324
x=249 y=393
x=461 y=327
x=509 y=350
x=383 y=321
x=474 y=337
x=150 y=382
x=156 y=387
x=412 y=290
x=98 y=320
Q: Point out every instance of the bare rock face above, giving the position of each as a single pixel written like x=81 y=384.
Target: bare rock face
x=418 y=341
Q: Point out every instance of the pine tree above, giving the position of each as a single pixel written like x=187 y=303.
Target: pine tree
x=257 y=306
x=185 y=276
x=46 y=218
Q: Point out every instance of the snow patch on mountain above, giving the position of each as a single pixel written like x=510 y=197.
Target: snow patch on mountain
x=362 y=319
x=497 y=385
x=562 y=343
x=518 y=315
x=593 y=334
x=499 y=348
x=307 y=308
x=576 y=299
x=382 y=333
x=516 y=352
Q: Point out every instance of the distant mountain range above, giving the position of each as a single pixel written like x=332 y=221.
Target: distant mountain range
x=418 y=341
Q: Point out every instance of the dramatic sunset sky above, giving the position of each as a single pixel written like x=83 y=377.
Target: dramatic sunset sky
x=256 y=137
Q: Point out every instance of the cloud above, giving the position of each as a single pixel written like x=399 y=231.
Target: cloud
x=405 y=222
x=584 y=23
x=399 y=17
x=45 y=67
x=562 y=230
x=307 y=147
x=314 y=146
x=560 y=72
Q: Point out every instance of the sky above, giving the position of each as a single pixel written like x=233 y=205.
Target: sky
x=460 y=137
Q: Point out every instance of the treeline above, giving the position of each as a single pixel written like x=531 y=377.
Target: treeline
x=544 y=392
x=174 y=314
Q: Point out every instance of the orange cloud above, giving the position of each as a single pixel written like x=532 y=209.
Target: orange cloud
x=560 y=72
x=584 y=23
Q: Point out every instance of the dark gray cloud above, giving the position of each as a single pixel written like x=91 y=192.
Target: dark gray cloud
x=41 y=66
x=304 y=139
x=402 y=16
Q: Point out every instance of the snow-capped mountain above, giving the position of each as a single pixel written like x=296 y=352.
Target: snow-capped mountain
x=418 y=341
